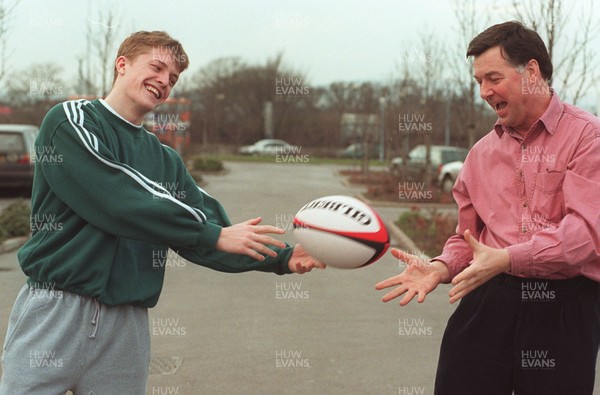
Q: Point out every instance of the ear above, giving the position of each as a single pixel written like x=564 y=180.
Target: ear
x=120 y=64
x=533 y=69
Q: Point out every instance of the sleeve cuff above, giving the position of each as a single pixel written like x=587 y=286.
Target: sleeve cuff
x=209 y=235
x=521 y=261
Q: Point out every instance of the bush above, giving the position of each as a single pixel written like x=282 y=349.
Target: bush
x=201 y=163
x=14 y=220
x=429 y=232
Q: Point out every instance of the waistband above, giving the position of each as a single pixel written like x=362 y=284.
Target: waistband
x=524 y=283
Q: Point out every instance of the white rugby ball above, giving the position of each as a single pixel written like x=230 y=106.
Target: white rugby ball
x=341 y=231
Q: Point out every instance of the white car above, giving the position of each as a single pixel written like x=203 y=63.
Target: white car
x=447 y=175
x=269 y=147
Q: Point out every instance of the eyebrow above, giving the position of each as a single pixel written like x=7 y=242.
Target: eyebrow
x=488 y=74
x=176 y=75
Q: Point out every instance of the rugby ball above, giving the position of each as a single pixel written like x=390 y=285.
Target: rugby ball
x=341 y=231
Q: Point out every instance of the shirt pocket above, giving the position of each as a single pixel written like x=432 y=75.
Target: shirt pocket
x=548 y=200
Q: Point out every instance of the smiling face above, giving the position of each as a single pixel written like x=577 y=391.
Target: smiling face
x=508 y=89
x=146 y=80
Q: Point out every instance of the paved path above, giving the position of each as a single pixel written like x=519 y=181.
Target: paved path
x=324 y=332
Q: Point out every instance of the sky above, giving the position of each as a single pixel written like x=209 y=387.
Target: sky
x=326 y=40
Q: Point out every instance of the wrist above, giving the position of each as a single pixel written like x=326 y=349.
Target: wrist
x=442 y=270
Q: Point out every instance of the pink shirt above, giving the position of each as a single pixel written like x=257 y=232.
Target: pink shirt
x=539 y=197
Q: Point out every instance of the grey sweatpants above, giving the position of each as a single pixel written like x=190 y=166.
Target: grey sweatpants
x=58 y=341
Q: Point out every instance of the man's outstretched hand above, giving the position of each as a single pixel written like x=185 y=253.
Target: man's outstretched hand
x=487 y=262
x=418 y=279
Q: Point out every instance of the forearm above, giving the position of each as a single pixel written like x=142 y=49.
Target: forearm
x=236 y=263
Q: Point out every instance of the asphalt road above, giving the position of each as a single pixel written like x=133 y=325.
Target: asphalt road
x=324 y=332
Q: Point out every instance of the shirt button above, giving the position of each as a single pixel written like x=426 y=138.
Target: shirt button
x=524 y=204
x=524 y=230
x=524 y=146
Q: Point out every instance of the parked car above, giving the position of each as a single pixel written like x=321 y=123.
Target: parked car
x=357 y=150
x=439 y=156
x=16 y=149
x=448 y=174
x=269 y=147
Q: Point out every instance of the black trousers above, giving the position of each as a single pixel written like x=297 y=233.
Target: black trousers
x=522 y=336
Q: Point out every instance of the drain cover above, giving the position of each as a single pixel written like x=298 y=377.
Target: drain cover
x=165 y=365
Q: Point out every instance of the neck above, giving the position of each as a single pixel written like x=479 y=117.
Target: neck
x=537 y=108
x=124 y=108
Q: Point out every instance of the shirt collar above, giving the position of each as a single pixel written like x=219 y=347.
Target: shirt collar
x=549 y=118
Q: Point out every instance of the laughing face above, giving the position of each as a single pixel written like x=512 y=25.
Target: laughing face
x=505 y=88
x=148 y=80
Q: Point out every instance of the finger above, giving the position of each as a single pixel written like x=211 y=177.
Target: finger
x=471 y=240
x=268 y=229
x=263 y=249
x=394 y=294
x=410 y=294
x=410 y=259
x=390 y=282
x=403 y=256
x=253 y=221
x=421 y=296
x=269 y=241
x=462 y=293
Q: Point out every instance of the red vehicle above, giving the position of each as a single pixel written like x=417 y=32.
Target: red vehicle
x=170 y=122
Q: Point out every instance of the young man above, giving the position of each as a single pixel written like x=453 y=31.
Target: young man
x=101 y=215
x=525 y=261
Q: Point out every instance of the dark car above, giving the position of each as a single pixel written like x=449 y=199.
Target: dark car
x=357 y=150
x=17 y=154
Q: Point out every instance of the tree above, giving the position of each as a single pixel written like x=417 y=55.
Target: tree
x=95 y=67
x=575 y=64
x=34 y=90
x=230 y=97
x=6 y=13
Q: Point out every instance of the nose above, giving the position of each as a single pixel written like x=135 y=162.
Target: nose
x=163 y=77
x=485 y=90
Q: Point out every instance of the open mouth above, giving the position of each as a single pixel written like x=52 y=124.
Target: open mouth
x=500 y=106
x=153 y=90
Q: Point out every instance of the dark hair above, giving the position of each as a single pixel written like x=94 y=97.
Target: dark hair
x=518 y=44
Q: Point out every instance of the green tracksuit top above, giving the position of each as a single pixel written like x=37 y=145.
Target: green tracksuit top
x=108 y=199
